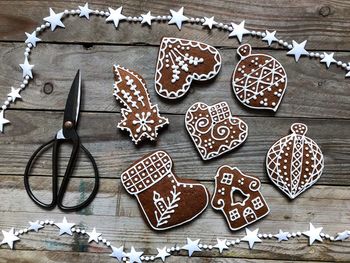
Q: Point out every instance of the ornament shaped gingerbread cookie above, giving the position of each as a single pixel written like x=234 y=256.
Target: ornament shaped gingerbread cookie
x=295 y=162
x=237 y=195
x=140 y=118
x=180 y=61
x=214 y=130
x=259 y=81
x=165 y=200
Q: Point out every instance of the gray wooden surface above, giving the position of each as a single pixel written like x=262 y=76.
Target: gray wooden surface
x=318 y=97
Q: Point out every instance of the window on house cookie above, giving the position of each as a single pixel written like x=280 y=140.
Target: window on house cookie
x=234 y=215
x=257 y=203
x=227 y=179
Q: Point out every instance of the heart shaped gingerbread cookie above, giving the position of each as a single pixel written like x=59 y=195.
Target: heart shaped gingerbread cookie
x=180 y=61
x=214 y=130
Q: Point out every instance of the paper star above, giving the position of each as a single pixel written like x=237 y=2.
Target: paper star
x=298 y=50
x=14 y=94
x=343 y=235
x=281 y=236
x=328 y=59
x=85 y=11
x=251 y=237
x=3 y=121
x=238 y=31
x=35 y=226
x=270 y=37
x=221 y=245
x=313 y=234
x=31 y=38
x=162 y=254
x=347 y=74
x=54 y=19
x=134 y=256
x=209 y=22
x=177 y=17
x=9 y=237
x=192 y=246
x=65 y=227
x=147 y=18
x=93 y=236
x=27 y=68
x=118 y=253
x=115 y=16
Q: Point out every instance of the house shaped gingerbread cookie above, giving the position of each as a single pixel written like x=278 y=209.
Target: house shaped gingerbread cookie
x=237 y=195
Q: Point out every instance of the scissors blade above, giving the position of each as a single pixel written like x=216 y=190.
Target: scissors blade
x=71 y=112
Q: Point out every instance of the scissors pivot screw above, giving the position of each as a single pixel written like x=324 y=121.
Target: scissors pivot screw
x=68 y=125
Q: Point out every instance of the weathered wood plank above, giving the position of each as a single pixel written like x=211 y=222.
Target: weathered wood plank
x=324 y=23
x=313 y=91
x=116 y=214
x=114 y=151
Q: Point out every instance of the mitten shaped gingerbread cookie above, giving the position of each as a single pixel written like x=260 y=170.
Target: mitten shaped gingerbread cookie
x=295 y=162
x=180 y=61
x=214 y=130
x=237 y=195
x=165 y=200
x=141 y=118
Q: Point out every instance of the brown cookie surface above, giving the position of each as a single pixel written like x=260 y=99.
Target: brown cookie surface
x=237 y=195
x=165 y=200
x=214 y=130
x=180 y=61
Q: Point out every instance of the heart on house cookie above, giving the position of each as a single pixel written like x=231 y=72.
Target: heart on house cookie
x=180 y=61
x=214 y=130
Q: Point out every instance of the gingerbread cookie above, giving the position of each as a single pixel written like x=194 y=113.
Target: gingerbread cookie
x=214 y=130
x=259 y=80
x=180 y=61
x=141 y=118
x=295 y=162
x=166 y=200
x=237 y=195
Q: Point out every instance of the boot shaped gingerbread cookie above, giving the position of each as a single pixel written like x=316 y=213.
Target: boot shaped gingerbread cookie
x=237 y=196
x=180 y=61
x=295 y=162
x=166 y=200
x=259 y=80
x=214 y=130
x=140 y=118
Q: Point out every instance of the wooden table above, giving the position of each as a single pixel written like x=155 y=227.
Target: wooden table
x=315 y=96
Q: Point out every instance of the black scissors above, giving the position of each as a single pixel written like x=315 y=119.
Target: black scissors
x=69 y=134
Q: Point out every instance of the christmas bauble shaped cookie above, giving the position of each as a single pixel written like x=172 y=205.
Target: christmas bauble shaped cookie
x=295 y=162
x=259 y=80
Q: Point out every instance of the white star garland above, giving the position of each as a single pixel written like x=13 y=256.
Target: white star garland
x=178 y=18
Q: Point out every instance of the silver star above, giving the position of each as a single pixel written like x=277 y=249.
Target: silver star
x=162 y=254
x=85 y=11
x=14 y=94
x=65 y=227
x=281 y=236
x=118 y=253
x=27 y=68
x=134 y=256
x=147 y=18
x=9 y=237
x=54 y=19
x=221 y=245
x=298 y=50
x=191 y=246
x=93 y=236
x=238 y=31
x=177 y=17
x=116 y=16
x=31 y=38
x=313 y=234
x=270 y=37
x=35 y=226
x=343 y=235
x=3 y=121
x=328 y=59
x=251 y=237
x=209 y=22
